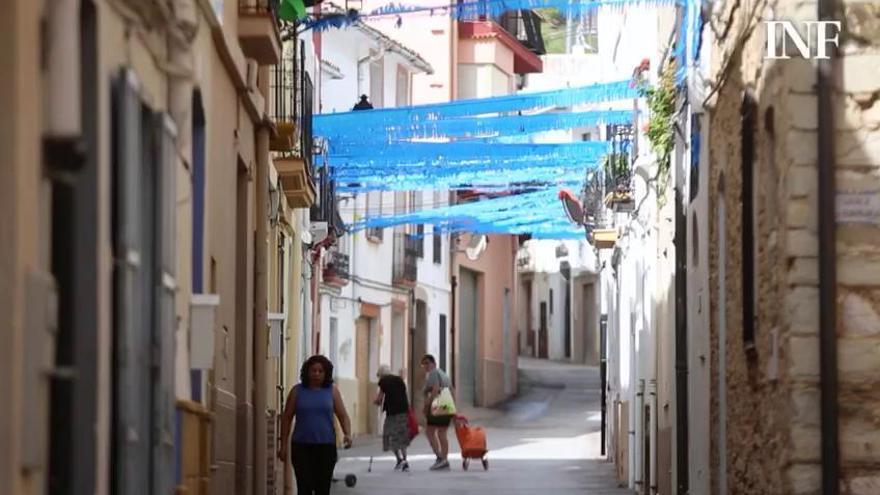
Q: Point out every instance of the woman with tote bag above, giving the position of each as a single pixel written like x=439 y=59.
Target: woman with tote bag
x=439 y=410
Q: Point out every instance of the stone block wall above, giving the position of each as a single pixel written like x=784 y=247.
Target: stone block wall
x=773 y=398
x=857 y=135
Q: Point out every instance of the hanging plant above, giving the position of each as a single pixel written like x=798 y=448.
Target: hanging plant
x=660 y=129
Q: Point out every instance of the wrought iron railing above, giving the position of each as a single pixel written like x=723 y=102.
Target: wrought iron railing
x=619 y=162
x=293 y=96
x=524 y=25
x=405 y=266
x=306 y=138
x=259 y=7
x=337 y=266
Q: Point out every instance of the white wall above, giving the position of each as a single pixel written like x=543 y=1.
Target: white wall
x=433 y=278
x=343 y=49
x=370 y=262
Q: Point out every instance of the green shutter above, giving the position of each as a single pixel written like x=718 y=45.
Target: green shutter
x=292 y=10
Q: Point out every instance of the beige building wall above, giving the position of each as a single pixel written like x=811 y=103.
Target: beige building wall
x=23 y=240
x=496 y=273
x=778 y=450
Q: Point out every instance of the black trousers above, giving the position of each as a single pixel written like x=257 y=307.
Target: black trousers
x=313 y=465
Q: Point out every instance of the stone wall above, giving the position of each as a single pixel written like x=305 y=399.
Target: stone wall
x=857 y=135
x=773 y=399
x=761 y=443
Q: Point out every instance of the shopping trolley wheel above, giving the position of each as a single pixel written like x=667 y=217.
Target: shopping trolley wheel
x=485 y=464
x=350 y=480
x=465 y=463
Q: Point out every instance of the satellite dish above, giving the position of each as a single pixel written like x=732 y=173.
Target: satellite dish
x=573 y=208
x=476 y=246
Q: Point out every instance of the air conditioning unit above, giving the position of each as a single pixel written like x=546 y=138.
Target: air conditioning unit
x=202 y=314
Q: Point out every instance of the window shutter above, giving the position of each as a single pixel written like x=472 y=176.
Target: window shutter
x=165 y=285
x=131 y=340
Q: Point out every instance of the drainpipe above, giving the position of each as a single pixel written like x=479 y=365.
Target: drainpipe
x=827 y=268
x=451 y=370
x=681 y=341
x=261 y=296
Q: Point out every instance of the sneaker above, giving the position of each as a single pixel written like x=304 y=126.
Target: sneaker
x=399 y=465
x=440 y=464
x=404 y=466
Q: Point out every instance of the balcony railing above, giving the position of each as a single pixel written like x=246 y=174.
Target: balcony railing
x=291 y=109
x=336 y=269
x=524 y=25
x=293 y=94
x=259 y=7
x=618 y=169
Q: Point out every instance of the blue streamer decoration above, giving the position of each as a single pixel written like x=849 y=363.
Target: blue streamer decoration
x=471 y=127
x=440 y=154
x=538 y=213
x=355 y=121
x=466 y=165
x=494 y=180
x=473 y=9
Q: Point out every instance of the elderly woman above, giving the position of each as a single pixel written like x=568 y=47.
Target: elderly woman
x=392 y=397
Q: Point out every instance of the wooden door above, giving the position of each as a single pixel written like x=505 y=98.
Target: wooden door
x=418 y=348
x=362 y=373
x=467 y=365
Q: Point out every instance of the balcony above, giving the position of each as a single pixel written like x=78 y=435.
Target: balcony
x=296 y=180
x=293 y=94
x=258 y=31
x=336 y=269
x=525 y=26
x=603 y=238
x=524 y=262
x=519 y=31
x=618 y=169
x=405 y=271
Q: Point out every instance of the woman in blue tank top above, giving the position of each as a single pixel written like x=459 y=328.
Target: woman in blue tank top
x=313 y=402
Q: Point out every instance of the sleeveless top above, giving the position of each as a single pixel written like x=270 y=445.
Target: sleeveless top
x=313 y=420
x=437 y=377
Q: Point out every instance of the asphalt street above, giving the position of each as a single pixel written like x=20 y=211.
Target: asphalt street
x=545 y=441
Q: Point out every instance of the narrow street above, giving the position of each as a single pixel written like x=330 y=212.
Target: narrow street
x=208 y=204
x=544 y=441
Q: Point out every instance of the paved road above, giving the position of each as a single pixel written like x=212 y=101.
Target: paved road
x=544 y=442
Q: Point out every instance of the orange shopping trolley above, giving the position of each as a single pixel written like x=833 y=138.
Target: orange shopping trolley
x=472 y=440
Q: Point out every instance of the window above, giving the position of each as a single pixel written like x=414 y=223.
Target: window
x=551 y=301
x=586 y=136
x=403 y=76
x=374 y=209
x=748 y=115
x=415 y=204
x=377 y=83
x=696 y=134
x=437 y=240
